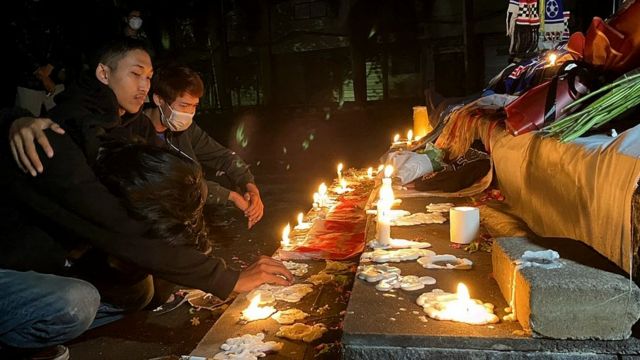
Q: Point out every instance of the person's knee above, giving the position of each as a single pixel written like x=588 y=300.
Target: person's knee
x=79 y=303
x=66 y=308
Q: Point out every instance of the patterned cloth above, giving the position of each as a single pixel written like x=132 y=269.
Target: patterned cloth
x=536 y=24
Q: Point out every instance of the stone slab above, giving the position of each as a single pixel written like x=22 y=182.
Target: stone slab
x=571 y=302
x=371 y=333
x=228 y=325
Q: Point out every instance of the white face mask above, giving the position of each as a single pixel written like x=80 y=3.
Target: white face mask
x=177 y=121
x=135 y=22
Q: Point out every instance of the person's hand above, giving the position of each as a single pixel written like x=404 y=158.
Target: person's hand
x=43 y=71
x=256 y=209
x=238 y=201
x=264 y=271
x=49 y=85
x=23 y=134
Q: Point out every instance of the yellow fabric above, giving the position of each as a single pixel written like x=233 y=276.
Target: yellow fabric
x=580 y=190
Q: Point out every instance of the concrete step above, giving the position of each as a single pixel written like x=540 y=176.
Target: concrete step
x=571 y=302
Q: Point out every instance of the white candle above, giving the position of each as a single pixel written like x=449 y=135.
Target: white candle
x=370 y=172
x=256 y=312
x=380 y=167
x=464 y=223
x=388 y=171
x=396 y=138
x=340 y=167
x=383 y=225
x=409 y=137
x=301 y=224
x=457 y=307
x=316 y=201
x=322 y=191
x=285 y=242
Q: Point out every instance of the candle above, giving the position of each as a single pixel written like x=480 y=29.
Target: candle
x=457 y=307
x=385 y=201
x=316 y=201
x=383 y=224
x=340 y=166
x=464 y=224
x=256 y=312
x=409 y=137
x=552 y=59
x=421 y=125
x=285 y=242
x=388 y=171
x=301 y=224
x=370 y=172
x=322 y=191
x=380 y=167
x=343 y=185
x=396 y=138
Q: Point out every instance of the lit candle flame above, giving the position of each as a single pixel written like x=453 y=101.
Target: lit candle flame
x=381 y=167
x=370 y=172
x=463 y=293
x=396 y=138
x=256 y=312
x=340 y=166
x=285 y=236
x=409 y=136
x=388 y=171
x=300 y=219
x=552 y=59
x=322 y=189
x=343 y=184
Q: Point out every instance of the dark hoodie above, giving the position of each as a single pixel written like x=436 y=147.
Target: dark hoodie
x=68 y=202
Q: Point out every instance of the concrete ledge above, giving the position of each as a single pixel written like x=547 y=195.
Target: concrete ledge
x=572 y=302
x=397 y=353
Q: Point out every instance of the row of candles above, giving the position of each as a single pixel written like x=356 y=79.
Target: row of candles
x=321 y=200
x=408 y=141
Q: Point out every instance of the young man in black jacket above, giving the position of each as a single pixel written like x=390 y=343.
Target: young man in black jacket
x=69 y=205
x=176 y=94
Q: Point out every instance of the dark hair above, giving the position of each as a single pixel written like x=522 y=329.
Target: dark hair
x=113 y=51
x=171 y=81
x=162 y=188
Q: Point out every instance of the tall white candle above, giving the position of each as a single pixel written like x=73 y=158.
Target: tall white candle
x=383 y=225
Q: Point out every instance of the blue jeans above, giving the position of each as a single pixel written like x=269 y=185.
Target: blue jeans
x=39 y=310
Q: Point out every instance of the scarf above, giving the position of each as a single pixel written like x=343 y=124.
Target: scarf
x=536 y=24
x=523 y=26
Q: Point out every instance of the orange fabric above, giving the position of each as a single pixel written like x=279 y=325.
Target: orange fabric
x=614 y=46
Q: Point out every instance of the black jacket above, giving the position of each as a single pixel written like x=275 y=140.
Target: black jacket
x=68 y=203
x=199 y=146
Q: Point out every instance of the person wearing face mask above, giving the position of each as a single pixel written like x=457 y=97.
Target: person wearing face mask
x=52 y=221
x=133 y=26
x=177 y=92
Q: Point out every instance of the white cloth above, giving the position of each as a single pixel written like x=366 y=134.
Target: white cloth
x=409 y=165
